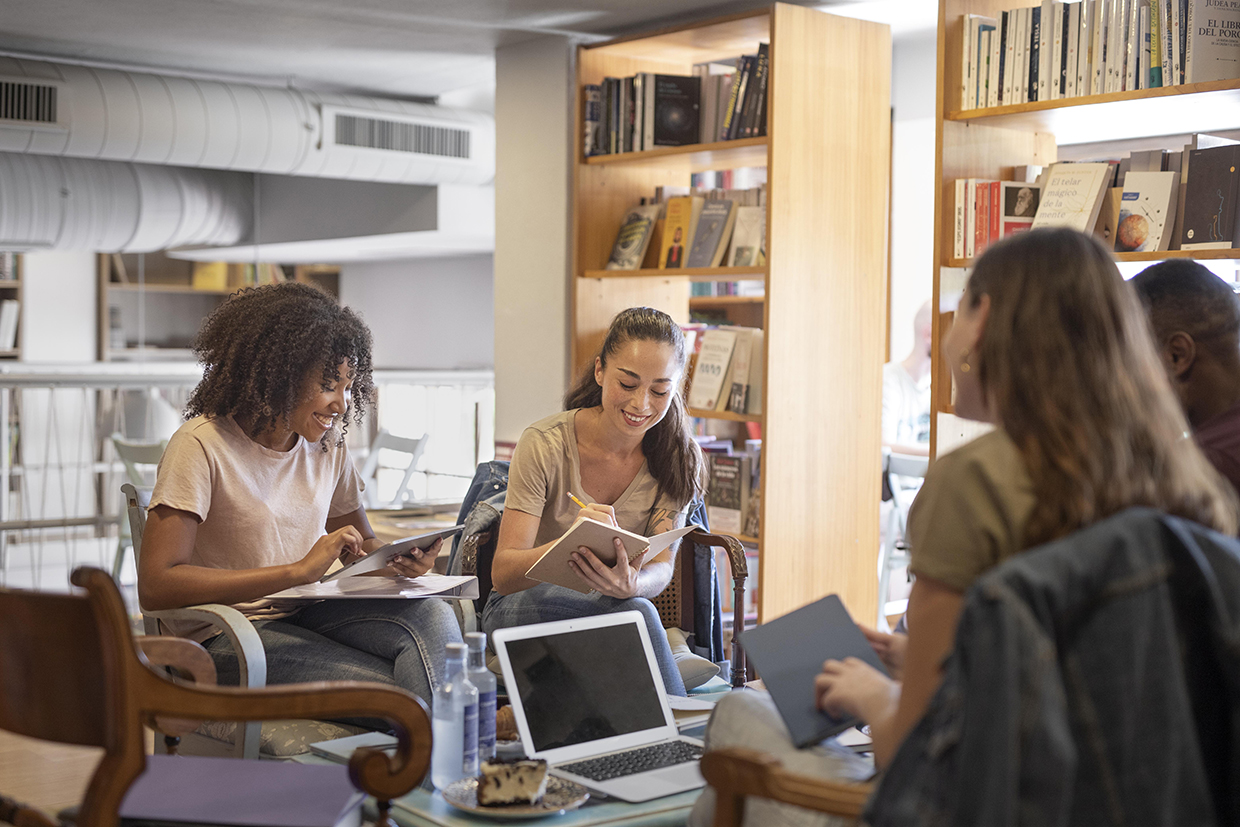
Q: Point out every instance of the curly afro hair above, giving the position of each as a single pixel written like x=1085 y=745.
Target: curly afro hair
x=258 y=347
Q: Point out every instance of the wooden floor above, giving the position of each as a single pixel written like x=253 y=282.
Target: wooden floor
x=43 y=774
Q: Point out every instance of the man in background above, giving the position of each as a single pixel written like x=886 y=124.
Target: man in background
x=1195 y=317
x=906 y=393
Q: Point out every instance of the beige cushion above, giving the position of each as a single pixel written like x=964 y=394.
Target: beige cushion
x=282 y=739
x=694 y=670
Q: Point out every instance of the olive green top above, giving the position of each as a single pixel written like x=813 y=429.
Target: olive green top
x=970 y=514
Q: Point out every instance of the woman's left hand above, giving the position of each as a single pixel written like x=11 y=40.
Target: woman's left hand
x=853 y=688
x=619 y=581
x=417 y=562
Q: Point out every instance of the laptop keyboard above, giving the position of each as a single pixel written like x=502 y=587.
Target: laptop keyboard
x=633 y=761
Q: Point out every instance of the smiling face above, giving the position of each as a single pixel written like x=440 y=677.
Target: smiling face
x=637 y=382
x=322 y=405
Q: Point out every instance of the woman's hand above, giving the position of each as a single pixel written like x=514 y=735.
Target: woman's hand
x=890 y=650
x=417 y=562
x=853 y=688
x=344 y=543
x=600 y=513
x=619 y=581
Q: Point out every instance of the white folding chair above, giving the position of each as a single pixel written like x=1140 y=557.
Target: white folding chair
x=894 y=552
x=140 y=459
x=387 y=441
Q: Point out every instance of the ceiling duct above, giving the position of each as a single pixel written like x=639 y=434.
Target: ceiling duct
x=108 y=114
x=51 y=203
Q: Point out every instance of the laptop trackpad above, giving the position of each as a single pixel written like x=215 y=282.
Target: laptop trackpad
x=656 y=783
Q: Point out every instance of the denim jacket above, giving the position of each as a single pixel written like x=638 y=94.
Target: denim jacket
x=1094 y=680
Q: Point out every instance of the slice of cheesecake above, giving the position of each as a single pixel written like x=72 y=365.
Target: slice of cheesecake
x=515 y=782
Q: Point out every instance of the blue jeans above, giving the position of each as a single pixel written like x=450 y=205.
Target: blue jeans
x=394 y=642
x=546 y=602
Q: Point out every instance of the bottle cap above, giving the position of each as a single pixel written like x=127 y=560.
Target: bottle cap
x=477 y=641
x=455 y=650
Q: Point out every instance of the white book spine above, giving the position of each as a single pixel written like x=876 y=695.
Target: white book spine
x=992 y=86
x=1143 y=65
x=1177 y=59
x=1074 y=38
x=1115 y=30
x=969 y=27
x=648 y=122
x=1164 y=35
x=1132 y=50
x=1085 y=47
x=1189 y=25
x=1020 y=60
x=1045 y=39
x=1056 y=72
x=958 y=236
x=970 y=220
x=1097 y=61
x=983 y=68
x=1009 y=58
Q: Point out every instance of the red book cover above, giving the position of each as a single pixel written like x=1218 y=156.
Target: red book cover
x=996 y=212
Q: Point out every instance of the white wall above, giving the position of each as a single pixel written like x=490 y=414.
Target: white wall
x=913 y=180
x=533 y=124
x=433 y=314
x=59 y=313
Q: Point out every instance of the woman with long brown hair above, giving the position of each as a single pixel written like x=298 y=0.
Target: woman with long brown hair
x=1052 y=347
x=623 y=447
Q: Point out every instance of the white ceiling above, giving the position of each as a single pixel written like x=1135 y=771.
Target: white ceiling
x=402 y=48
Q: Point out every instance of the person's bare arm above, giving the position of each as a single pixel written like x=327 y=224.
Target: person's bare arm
x=933 y=610
x=167 y=580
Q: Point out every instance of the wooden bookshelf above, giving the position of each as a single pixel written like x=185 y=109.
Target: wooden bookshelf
x=988 y=142
x=690 y=273
x=828 y=95
x=726 y=416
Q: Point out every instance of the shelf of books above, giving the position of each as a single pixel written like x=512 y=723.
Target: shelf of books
x=704 y=186
x=1095 y=114
x=10 y=305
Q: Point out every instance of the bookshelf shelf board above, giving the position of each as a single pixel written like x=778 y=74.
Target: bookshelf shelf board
x=169 y=288
x=728 y=415
x=1191 y=107
x=723 y=302
x=715 y=39
x=10 y=354
x=743 y=152
x=1224 y=255
x=9 y=284
x=691 y=273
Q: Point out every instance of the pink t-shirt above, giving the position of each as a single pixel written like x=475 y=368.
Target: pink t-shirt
x=1219 y=440
x=256 y=507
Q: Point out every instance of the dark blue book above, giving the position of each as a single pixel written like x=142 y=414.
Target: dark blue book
x=789 y=652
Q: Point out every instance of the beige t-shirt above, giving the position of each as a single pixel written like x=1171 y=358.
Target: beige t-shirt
x=256 y=507
x=970 y=514
x=545 y=467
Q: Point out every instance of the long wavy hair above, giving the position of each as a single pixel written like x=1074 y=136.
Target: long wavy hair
x=258 y=347
x=672 y=455
x=1070 y=366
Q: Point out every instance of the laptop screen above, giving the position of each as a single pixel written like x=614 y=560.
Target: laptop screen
x=583 y=685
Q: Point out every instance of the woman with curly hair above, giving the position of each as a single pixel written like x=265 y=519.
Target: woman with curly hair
x=256 y=493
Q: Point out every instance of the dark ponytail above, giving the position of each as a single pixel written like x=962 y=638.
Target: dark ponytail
x=671 y=453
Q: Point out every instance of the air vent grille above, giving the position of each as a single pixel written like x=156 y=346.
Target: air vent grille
x=400 y=136
x=27 y=102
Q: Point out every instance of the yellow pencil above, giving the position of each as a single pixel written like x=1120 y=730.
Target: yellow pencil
x=580 y=504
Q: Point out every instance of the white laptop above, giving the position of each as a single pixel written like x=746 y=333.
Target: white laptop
x=589 y=700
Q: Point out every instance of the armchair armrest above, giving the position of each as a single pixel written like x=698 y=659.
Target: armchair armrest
x=740 y=573
x=735 y=773
x=251 y=657
x=187 y=658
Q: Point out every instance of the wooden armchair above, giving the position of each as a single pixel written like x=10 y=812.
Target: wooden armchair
x=70 y=671
x=735 y=773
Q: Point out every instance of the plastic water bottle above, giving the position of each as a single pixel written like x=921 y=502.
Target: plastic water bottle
x=482 y=678
x=454 y=753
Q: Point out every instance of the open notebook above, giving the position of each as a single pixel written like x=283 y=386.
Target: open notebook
x=553 y=566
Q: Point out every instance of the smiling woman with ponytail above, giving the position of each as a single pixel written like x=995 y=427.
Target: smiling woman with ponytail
x=622 y=447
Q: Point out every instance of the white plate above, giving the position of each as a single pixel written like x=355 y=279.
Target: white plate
x=561 y=796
